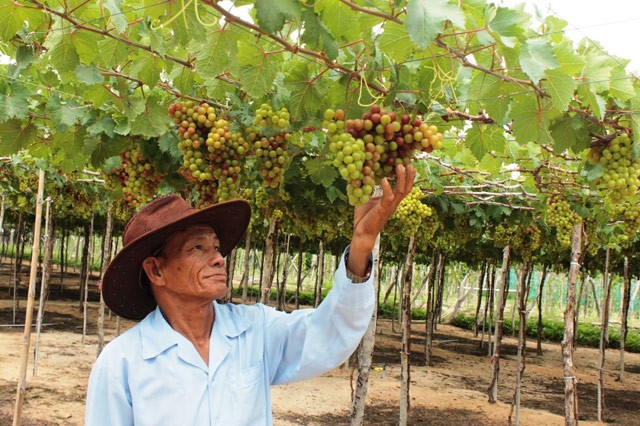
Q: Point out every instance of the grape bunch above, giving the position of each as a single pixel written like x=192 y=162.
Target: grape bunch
x=560 y=216
x=270 y=141
x=629 y=214
x=526 y=240
x=621 y=177
x=212 y=153
x=412 y=211
x=367 y=149
x=503 y=234
x=137 y=176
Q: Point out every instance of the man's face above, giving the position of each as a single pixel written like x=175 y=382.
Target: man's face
x=192 y=266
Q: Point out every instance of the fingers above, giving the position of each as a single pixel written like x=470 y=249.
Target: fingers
x=404 y=183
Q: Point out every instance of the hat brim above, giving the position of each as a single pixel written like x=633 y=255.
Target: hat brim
x=122 y=287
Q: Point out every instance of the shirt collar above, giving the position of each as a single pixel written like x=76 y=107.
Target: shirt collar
x=157 y=335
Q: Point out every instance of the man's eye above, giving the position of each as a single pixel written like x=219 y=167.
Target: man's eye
x=196 y=247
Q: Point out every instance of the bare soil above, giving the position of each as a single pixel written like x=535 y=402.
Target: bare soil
x=451 y=392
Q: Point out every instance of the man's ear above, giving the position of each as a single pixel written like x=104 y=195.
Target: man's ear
x=151 y=268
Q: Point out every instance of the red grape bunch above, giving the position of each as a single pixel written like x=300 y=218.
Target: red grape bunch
x=137 y=176
x=212 y=153
x=367 y=149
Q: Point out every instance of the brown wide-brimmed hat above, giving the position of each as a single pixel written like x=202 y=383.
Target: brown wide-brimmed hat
x=123 y=283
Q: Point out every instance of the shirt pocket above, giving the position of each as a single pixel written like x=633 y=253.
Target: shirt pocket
x=248 y=395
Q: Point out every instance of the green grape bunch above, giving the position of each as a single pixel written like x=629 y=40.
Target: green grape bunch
x=503 y=234
x=270 y=138
x=367 y=149
x=412 y=212
x=526 y=240
x=560 y=216
x=621 y=175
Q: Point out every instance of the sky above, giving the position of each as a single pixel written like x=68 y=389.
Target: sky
x=615 y=24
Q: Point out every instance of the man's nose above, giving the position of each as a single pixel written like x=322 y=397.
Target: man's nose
x=216 y=258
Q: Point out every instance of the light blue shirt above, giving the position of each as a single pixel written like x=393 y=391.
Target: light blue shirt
x=152 y=375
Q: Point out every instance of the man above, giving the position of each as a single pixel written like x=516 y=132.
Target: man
x=192 y=361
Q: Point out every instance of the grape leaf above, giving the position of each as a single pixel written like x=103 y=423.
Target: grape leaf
x=13 y=15
x=104 y=149
x=395 y=42
x=14 y=136
x=334 y=14
x=153 y=122
x=426 y=19
x=568 y=60
x=89 y=75
x=104 y=125
x=168 y=143
x=482 y=138
x=536 y=56
x=306 y=94
x=621 y=85
x=509 y=22
x=271 y=14
x=561 y=88
x=258 y=68
x=16 y=103
x=529 y=122
x=317 y=36
x=569 y=134
x=222 y=43
x=320 y=173
x=147 y=67
x=117 y=17
x=63 y=56
x=64 y=113
x=84 y=43
x=590 y=100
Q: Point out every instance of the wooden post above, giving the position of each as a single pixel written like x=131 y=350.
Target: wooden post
x=269 y=261
x=26 y=340
x=604 y=334
x=539 y=331
x=624 y=314
x=320 y=275
x=106 y=258
x=245 y=276
x=48 y=238
x=365 y=350
x=492 y=390
x=523 y=292
x=85 y=282
x=405 y=351
x=568 y=349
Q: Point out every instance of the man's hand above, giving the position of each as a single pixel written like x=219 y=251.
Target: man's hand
x=370 y=218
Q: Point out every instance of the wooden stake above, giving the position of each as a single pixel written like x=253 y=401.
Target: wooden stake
x=26 y=340
x=43 y=285
x=570 y=381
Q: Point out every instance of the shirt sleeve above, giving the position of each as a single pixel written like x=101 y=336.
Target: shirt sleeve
x=310 y=342
x=108 y=402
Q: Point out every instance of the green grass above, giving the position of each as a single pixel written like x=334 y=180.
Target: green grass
x=553 y=331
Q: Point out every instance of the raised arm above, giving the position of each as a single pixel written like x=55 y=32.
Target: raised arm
x=370 y=218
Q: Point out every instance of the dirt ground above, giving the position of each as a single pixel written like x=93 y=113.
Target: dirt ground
x=451 y=392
